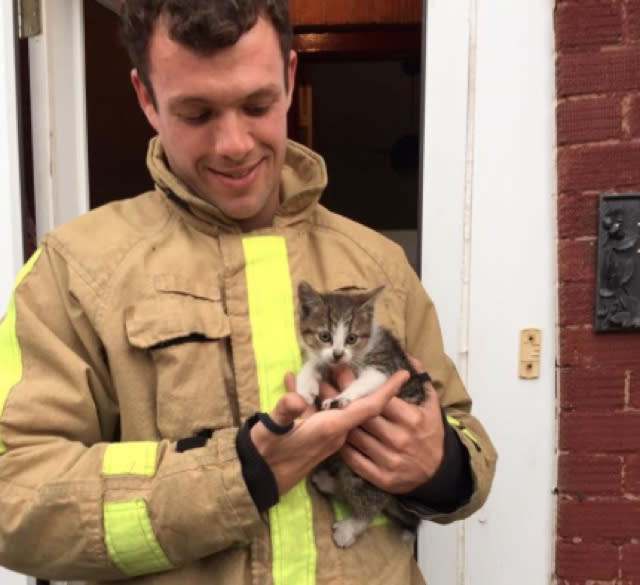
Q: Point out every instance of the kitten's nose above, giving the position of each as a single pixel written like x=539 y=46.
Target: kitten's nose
x=337 y=354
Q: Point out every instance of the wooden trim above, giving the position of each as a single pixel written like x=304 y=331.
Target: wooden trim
x=341 y=12
x=373 y=43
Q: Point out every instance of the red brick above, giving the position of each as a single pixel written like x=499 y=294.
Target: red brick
x=588 y=23
x=632 y=474
x=632 y=116
x=618 y=520
x=630 y=563
x=578 y=215
x=576 y=304
x=595 y=475
x=586 y=560
x=584 y=348
x=600 y=433
x=605 y=167
x=589 y=120
x=633 y=19
x=584 y=389
x=577 y=260
x=598 y=72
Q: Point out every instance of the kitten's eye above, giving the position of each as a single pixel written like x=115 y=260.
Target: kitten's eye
x=351 y=339
x=324 y=336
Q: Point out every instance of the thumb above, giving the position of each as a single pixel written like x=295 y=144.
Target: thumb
x=288 y=409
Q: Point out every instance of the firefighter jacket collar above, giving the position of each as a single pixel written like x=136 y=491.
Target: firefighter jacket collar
x=303 y=178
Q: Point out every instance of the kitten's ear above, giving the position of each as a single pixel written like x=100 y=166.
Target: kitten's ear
x=308 y=298
x=369 y=298
x=368 y=301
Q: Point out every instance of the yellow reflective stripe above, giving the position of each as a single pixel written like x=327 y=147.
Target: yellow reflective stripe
x=342 y=511
x=275 y=346
x=454 y=422
x=132 y=458
x=130 y=540
x=10 y=352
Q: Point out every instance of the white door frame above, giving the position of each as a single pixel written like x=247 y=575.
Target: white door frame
x=488 y=261
x=58 y=115
x=11 y=259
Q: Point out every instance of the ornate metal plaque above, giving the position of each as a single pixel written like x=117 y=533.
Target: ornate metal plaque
x=618 y=270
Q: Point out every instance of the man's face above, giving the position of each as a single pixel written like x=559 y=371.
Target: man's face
x=222 y=119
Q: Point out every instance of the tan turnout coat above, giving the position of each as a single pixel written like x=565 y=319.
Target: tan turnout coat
x=88 y=359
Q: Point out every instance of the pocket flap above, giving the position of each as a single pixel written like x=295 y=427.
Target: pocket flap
x=201 y=288
x=171 y=317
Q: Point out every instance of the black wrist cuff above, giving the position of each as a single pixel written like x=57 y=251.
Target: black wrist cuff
x=451 y=486
x=257 y=475
x=272 y=425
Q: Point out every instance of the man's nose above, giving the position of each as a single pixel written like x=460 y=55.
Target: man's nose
x=233 y=138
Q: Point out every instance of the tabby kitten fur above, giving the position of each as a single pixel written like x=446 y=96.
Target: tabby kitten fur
x=339 y=328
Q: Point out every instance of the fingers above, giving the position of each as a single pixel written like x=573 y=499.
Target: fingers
x=363 y=409
x=343 y=376
x=288 y=408
x=290 y=384
x=290 y=381
x=416 y=363
x=365 y=467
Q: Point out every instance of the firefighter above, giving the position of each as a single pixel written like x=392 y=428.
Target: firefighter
x=142 y=339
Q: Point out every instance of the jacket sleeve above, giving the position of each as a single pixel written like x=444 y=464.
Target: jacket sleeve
x=424 y=341
x=74 y=503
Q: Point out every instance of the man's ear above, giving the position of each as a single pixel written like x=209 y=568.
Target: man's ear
x=145 y=99
x=291 y=76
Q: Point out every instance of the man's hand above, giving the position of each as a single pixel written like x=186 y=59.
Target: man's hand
x=402 y=448
x=316 y=435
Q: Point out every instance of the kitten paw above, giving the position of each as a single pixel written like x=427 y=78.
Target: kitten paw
x=345 y=532
x=308 y=388
x=324 y=481
x=338 y=402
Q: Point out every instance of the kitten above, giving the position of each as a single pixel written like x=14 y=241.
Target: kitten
x=338 y=328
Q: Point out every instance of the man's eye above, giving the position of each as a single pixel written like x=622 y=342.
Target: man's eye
x=256 y=111
x=324 y=336
x=200 y=118
x=351 y=338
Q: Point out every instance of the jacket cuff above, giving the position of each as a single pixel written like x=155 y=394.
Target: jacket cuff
x=257 y=475
x=452 y=485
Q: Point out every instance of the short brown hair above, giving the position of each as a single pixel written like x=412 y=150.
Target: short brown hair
x=200 y=25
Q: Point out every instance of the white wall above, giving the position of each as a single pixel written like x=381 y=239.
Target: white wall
x=489 y=262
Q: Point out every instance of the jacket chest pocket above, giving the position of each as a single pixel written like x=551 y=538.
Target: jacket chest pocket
x=186 y=333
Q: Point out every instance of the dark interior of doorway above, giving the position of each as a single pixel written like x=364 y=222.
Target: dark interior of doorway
x=366 y=86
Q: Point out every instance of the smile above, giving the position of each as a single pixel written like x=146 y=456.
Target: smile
x=238 y=177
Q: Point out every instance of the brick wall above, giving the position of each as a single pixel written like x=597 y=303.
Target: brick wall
x=598 y=117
